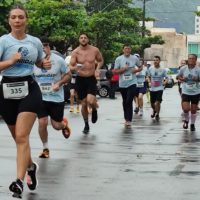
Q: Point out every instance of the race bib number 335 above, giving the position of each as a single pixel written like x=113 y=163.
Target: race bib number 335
x=15 y=90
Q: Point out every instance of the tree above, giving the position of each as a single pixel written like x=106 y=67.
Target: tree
x=197 y=13
x=60 y=20
x=110 y=30
x=106 y=5
x=4 y=8
x=63 y=20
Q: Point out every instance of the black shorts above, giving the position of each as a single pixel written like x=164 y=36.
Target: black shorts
x=72 y=86
x=10 y=108
x=85 y=86
x=194 y=99
x=141 y=90
x=156 y=96
x=53 y=109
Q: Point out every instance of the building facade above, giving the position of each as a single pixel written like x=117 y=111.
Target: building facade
x=172 y=51
x=193 y=44
x=197 y=23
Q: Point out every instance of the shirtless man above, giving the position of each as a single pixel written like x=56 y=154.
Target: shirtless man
x=83 y=62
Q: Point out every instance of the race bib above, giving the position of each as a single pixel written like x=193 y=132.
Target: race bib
x=45 y=87
x=190 y=87
x=127 y=77
x=15 y=90
x=140 y=85
x=156 y=83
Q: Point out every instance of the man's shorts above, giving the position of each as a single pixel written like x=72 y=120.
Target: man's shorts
x=156 y=96
x=53 y=109
x=85 y=86
x=10 y=108
x=72 y=86
x=194 y=99
x=141 y=90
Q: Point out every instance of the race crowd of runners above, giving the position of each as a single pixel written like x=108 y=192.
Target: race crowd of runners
x=32 y=89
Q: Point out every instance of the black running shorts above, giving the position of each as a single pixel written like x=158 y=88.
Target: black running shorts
x=194 y=99
x=10 y=108
x=53 y=109
x=156 y=96
x=85 y=86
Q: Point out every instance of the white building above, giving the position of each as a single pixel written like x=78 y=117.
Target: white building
x=197 y=22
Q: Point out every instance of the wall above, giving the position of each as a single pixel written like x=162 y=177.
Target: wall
x=174 y=49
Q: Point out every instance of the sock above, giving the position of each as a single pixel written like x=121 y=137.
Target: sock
x=193 y=118
x=186 y=116
x=86 y=122
x=45 y=145
x=30 y=168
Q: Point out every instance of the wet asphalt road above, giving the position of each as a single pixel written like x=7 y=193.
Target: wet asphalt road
x=150 y=161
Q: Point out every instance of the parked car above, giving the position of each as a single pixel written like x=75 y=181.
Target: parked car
x=103 y=85
x=103 y=88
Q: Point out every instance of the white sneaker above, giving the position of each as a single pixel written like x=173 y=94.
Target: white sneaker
x=128 y=123
x=141 y=112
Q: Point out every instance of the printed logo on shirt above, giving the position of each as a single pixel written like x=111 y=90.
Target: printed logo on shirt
x=24 y=51
x=44 y=70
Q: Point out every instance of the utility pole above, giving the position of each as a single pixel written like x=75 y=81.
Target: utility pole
x=143 y=17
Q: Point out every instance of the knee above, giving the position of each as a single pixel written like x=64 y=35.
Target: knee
x=43 y=122
x=21 y=139
x=72 y=96
x=57 y=126
x=140 y=97
x=90 y=102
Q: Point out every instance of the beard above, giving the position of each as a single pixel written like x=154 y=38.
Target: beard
x=84 y=45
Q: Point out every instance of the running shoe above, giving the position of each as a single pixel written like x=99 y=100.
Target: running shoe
x=44 y=154
x=86 y=129
x=136 y=110
x=94 y=116
x=157 y=117
x=17 y=188
x=66 y=131
x=185 y=124
x=71 y=109
x=141 y=112
x=153 y=115
x=32 y=181
x=127 y=123
x=192 y=127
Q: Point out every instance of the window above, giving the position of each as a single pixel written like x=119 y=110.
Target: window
x=194 y=48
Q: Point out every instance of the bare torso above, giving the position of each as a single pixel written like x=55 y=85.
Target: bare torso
x=86 y=57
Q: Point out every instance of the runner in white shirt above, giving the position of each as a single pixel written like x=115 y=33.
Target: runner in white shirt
x=51 y=85
x=158 y=78
x=189 y=75
x=20 y=96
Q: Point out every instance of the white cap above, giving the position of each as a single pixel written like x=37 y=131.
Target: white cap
x=136 y=54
